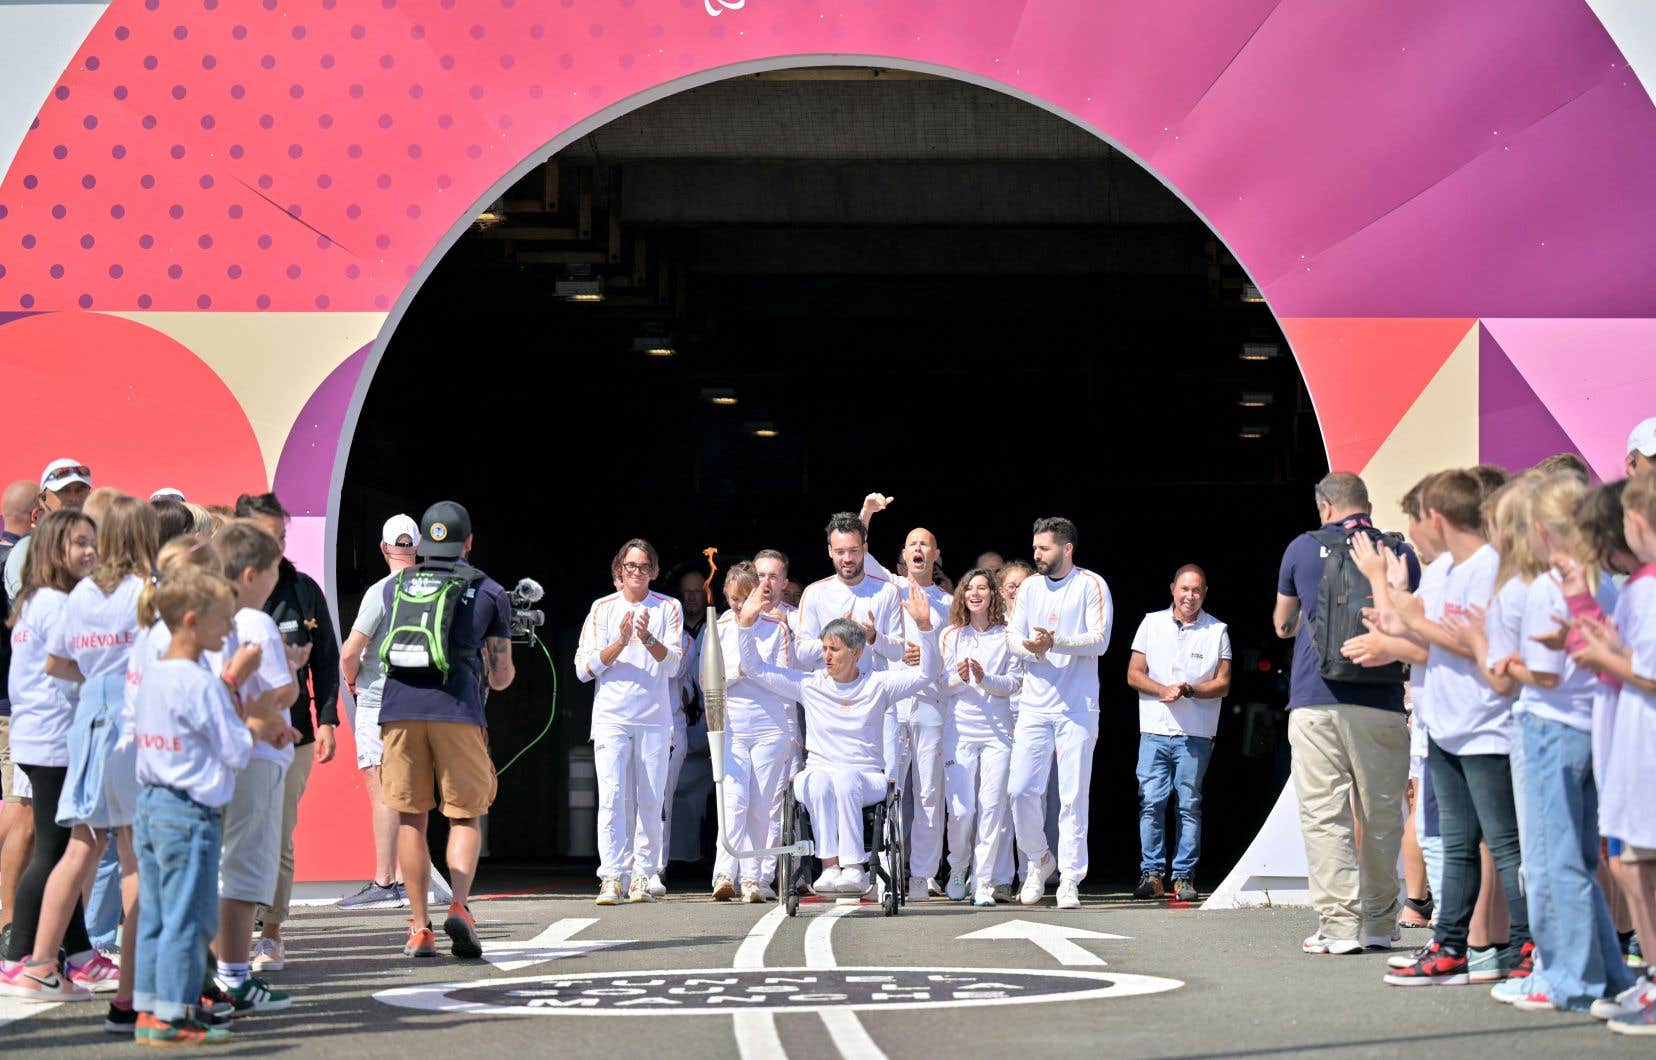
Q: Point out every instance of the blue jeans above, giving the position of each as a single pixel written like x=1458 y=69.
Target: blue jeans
x=1558 y=820
x=178 y=861
x=1169 y=764
x=103 y=912
x=1475 y=802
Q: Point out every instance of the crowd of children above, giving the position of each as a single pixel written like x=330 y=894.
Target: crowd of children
x=149 y=698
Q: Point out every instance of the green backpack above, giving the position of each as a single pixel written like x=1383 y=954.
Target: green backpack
x=424 y=602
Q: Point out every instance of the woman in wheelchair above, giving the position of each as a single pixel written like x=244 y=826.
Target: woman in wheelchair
x=850 y=730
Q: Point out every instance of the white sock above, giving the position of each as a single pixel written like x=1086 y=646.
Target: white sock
x=231 y=976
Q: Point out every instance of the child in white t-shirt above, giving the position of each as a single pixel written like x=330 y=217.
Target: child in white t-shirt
x=190 y=745
x=253 y=816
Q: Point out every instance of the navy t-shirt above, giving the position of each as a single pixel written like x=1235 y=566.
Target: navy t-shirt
x=1301 y=574
x=484 y=612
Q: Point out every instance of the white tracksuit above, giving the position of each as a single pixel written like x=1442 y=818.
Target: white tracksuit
x=685 y=684
x=850 y=739
x=759 y=752
x=977 y=744
x=631 y=728
x=1058 y=709
x=874 y=596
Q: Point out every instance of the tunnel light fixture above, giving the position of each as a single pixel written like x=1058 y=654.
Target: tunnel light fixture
x=764 y=429
x=719 y=395
x=654 y=346
x=578 y=284
x=1260 y=351
x=1251 y=293
x=1256 y=399
x=493 y=214
x=1253 y=430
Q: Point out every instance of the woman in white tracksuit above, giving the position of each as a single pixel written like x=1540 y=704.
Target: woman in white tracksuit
x=981 y=678
x=759 y=756
x=850 y=731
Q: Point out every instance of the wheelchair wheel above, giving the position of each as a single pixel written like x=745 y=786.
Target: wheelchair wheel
x=899 y=852
x=787 y=865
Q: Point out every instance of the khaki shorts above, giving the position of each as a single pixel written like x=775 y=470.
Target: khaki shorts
x=1631 y=854
x=453 y=754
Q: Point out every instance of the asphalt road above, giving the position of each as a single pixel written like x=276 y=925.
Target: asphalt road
x=687 y=978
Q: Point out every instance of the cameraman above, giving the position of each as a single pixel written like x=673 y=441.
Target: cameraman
x=433 y=729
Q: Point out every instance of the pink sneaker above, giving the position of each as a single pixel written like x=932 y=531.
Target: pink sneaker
x=33 y=982
x=99 y=975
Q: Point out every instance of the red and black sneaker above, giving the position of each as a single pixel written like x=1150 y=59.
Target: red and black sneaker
x=1437 y=967
x=1526 y=962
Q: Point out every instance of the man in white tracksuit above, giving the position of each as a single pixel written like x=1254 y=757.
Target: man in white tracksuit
x=1060 y=626
x=853 y=592
x=631 y=646
x=920 y=716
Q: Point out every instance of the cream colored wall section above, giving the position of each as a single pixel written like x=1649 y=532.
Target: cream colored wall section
x=272 y=362
x=1439 y=431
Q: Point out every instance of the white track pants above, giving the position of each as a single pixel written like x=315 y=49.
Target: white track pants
x=756 y=773
x=680 y=744
x=920 y=771
x=1037 y=739
x=835 y=799
x=974 y=781
x=631 y=761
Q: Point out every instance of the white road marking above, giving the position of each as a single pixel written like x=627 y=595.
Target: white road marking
x=553 y=944
x=13 y=1009
x=849 y=1035
x=1054 y=938
x=756 y=1037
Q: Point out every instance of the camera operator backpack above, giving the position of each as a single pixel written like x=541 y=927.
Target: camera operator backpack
x=420 y=628
x=1341 y=596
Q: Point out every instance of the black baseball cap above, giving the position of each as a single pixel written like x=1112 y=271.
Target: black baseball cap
x=443 y=531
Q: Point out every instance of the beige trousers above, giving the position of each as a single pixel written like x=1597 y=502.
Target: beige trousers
x=1351 y=763
x=298 y=775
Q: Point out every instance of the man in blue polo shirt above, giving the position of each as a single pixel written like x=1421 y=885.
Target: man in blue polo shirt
x=435 y=735
x=1347 y=739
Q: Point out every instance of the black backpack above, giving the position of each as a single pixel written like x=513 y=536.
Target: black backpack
x=420 y=637
x=1341 y=596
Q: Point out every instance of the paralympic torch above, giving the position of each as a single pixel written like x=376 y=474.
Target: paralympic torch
x=713 y=705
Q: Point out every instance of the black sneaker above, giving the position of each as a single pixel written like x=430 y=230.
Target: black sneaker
x=462 y=933
x=121 y=1020
x=1184 y=889
x=219 y=1003
x=1150 y=885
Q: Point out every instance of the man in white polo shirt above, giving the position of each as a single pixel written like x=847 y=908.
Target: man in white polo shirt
x=1181 y=669
x=1641 y=448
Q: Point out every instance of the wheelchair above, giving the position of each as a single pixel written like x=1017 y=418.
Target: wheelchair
x=882 y=837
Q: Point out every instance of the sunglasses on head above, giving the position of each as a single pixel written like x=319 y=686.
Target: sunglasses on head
x=58 y=474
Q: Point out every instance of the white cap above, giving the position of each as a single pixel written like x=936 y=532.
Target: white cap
x=62 y=471
x=1643 y=438
x=167 y=493
x=399 y=526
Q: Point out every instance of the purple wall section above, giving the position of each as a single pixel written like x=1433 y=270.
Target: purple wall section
x=1514 y=427
x=305 y=470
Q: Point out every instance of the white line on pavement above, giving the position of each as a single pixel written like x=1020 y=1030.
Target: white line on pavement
x=13 y=1009
x=756 y=1037
x=847 y=1031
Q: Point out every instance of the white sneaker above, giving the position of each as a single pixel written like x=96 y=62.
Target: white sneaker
x=932 y=887
x=723 y=889
x=853 y=880
x=767 y=892
x=828 y=882
x=654 y=885
x=1034 y=888
x=750 y=893
x=639 y=891
x=1625 y=1003
x=956 y=890
x=1069 y=894
x=984 y=898
x=918 y=892
x=269 y=955
x=609 y=891
x=1320 y=943
x=1382 y=942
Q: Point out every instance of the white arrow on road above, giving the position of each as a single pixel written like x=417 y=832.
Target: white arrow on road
x=1054 y=938
x=553 y=944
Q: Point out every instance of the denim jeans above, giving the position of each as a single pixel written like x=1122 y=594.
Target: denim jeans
x=1169 y=765
x=1559 y=822
x=178 y=861
x=1474 y=797
x=103 y=912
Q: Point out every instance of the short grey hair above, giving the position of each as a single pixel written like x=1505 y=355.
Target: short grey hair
x=847 y=632
x=1344 y=491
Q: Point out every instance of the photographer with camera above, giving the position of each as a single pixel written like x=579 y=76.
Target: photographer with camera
x=448 y=634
